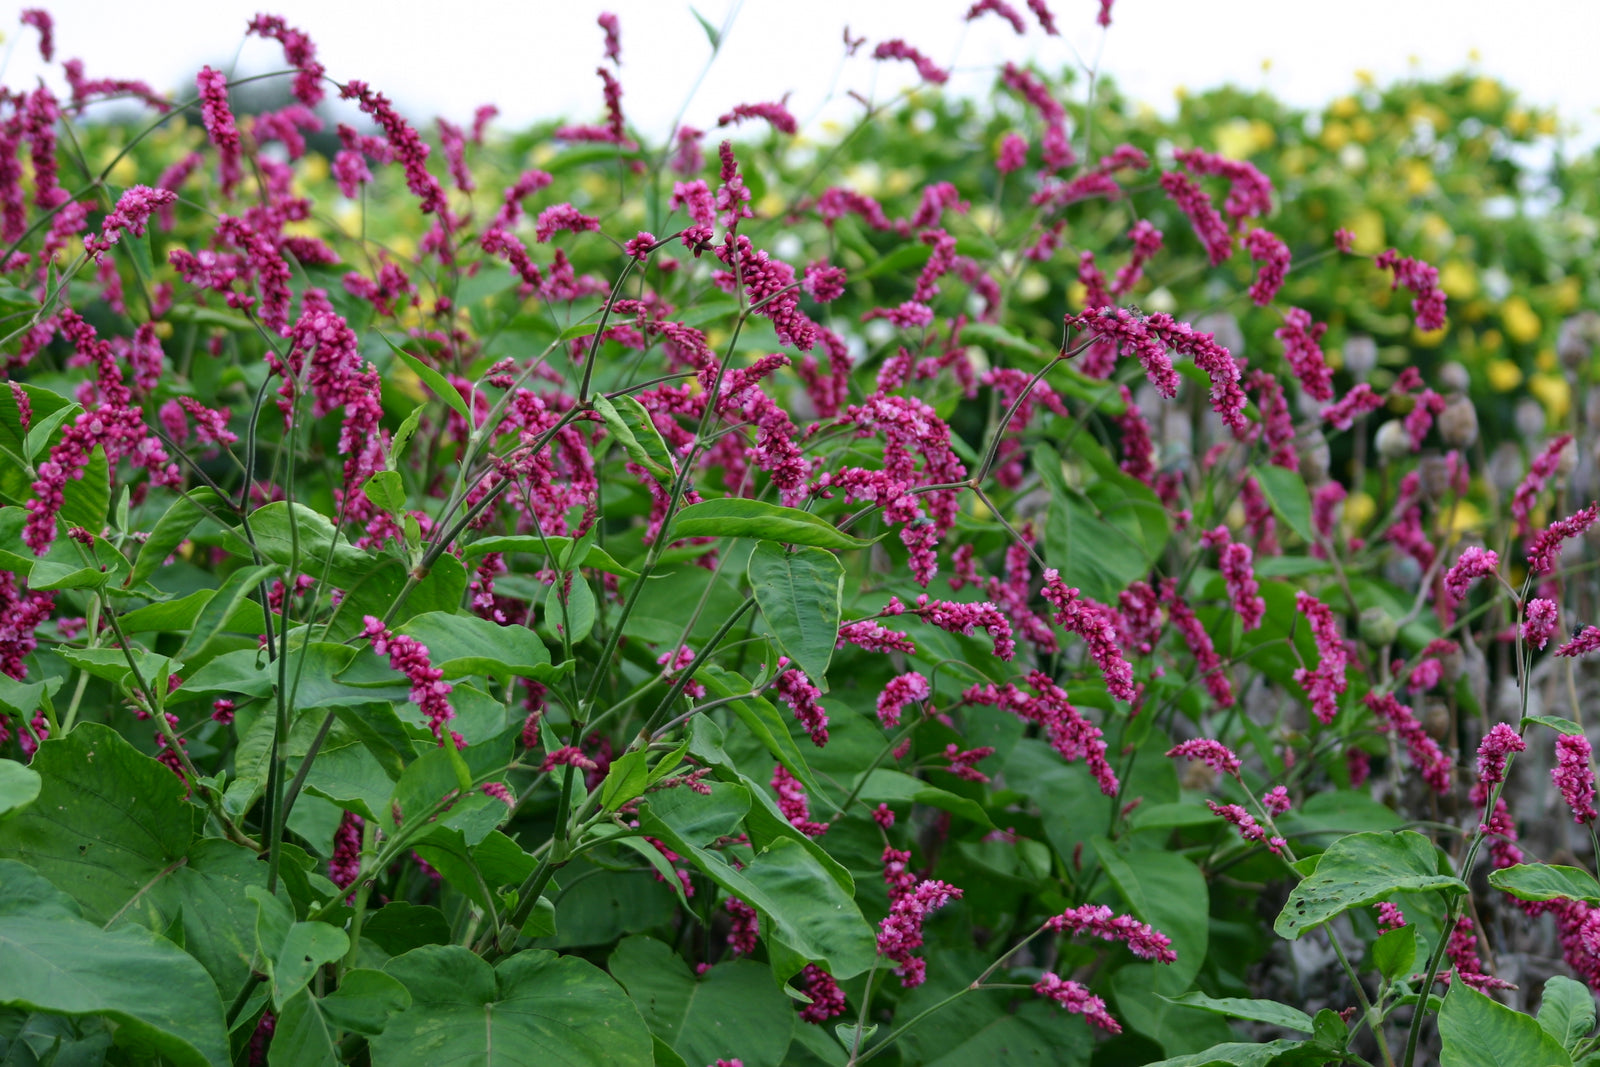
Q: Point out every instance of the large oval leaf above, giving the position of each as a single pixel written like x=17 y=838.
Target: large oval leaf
x=51 y=960
x=800 y=593
x=734 y=1009
x=1477 y=1032
x=536 y=1007
x=1546 y=881
x=738 y=517
x=1362 y=869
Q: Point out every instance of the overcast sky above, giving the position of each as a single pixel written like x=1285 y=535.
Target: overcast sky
x=537 y=58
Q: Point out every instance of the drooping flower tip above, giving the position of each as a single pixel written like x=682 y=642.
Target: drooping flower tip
x=1213 y=753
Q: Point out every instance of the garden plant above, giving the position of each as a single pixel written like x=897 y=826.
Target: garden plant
x=1019 y=582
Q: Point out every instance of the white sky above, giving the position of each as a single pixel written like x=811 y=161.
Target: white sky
x=536 y=58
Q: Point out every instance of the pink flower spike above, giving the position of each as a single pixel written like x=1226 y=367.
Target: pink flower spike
x=1581 y=645
x=1325 y=683
x=1213 y=753
x=1077 y=998
x=1574 y=776
x=1495 y=750
x=1277 y=801
x=1526 y=495
x=898 y=49
x=1540 y=619
x=1389 y=917
x=1546 y=547
x=897 y=693
x=1143 y=940
x=1474 y=563
x=1094 y=623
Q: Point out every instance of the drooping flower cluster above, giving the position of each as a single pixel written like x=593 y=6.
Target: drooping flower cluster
x=429 y=690
x=1526 y=494
x=1095 y=624
x=1071 y=735
x=1423 y=751
x=897 y=693
x=1423 y=281
x=1248 y=828
x=794 y=803
x=900 y=932
x=1212 y=753
x=1574 y=776
x=827 y=999
x=1472 y=564
x=1142 y=939
x=1076 y=998
x=1546 y=547
x=1325 y=683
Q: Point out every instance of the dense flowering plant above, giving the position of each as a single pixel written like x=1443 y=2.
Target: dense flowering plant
x=563 y=598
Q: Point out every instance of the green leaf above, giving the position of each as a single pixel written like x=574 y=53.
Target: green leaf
x=733 y=1008
x=1286 y=491
x=626 y=779
x=19 y=786
x=884 y=786
x=306 y=947
x=631 y=424
x=570 y=603
x=465 y=644
x=169 y=532
x=402 y=436
x=1360 y=869
x=111 y=664
x=1167 y=891
x=281 y=530
x=87 y=499
x=1233 y=1054
x=387 y=491
x=800 y=595
x=1091 y=553
x=758 y=716
x=535 y=1007
x=160 y=998
x=437 y=383
x=1556 y=723
x=364 y=1001
x=302 y=1036
x=224 y=609
x=712 y=33
x=555 y=547
x=1546 y=881
x=1566 y=1011
x=739 y=517
x=1261 y=1011
x=1477 y=1032
x=801 y=905
x=1394 y=952
x=702 y=819
x=112 y=829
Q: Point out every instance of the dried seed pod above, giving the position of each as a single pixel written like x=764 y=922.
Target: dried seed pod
x=1458 y=422
x=1435 y=719
x=1453 y=378
x=1434 y=474
x=1360 y=355
x=1392 y=441
x=1378 y=628
x=1577 y=338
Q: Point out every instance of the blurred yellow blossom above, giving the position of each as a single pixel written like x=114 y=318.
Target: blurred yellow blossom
x=1521 y=322
x=1504 y=375
x=1358 y=511
x=1458 y=279
x=1367 y=225
x=1554 y=392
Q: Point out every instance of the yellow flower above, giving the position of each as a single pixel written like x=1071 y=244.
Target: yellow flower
x=1419 y=177
x=1554 y=393
x=1032 y=285
x=1484 y=94
x=1344 y=107
x=1504 y=375
x=1335 y=135
x=1077 y=293
x=1458 y=279
x=1429 y=338
x=1361 y=128
x=1358 y=511
x=1367 y=225
x=1463 y=518
x=1568 y=291
x=1521 y=322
